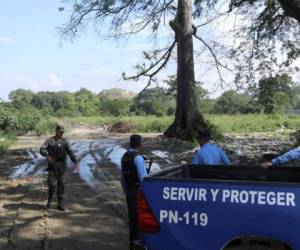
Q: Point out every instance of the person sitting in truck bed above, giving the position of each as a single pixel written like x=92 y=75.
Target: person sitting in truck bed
x=293 y=154
x=209 y=154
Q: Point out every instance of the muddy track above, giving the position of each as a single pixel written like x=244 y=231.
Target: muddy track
x=90 y=221
x=94 y=219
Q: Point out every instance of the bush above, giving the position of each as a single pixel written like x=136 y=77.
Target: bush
x=66 y=113
x=46 y=126
x=8 y=119
x=231 y=102
x=5 y=142
x=115 y=107
x=28 y=119
x=158 y=126
x=3 y=148
x=153 y=102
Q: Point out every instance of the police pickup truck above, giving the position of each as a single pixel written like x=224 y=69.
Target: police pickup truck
x=214 y=207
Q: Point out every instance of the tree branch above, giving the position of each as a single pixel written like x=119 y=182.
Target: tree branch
x=160 y=64
x=138 y=14
x=216 y=60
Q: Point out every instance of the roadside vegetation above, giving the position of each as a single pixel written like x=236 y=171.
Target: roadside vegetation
x=247 y=123
x=267 y=106
x=5 y=142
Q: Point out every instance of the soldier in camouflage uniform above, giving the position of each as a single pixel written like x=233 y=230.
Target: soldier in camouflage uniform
x=56 y=149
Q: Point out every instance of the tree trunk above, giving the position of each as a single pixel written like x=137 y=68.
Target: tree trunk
x=187 y=115
x=291 y=8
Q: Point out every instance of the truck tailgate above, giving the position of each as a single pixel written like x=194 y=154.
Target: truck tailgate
x=207 y=214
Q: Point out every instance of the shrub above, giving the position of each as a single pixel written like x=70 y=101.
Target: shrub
x=5 y=142
x=66 y=113
x=46 y=126
x=3 y=148
x=28 y=119
x=158 y=126
x=8 y=119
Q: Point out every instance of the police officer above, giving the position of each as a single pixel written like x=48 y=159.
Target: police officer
x=55 y=149
x=209 y=154
x=293 y=154
x=132 y=175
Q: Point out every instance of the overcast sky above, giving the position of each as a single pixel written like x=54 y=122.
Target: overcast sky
x=32 y=57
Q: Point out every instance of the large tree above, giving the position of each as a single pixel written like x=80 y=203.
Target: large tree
x=266 y=21
x=128 y=17
x=275 y=93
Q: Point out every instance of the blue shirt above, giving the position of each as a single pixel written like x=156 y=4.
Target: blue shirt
x=293 y=154
x=139 y=163
x=210 y=154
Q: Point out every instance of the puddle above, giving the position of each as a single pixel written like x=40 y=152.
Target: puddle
x=115 y=154
x=160 y=154
x=155 y=168
x=32 y=167
x=90 y=154
x=164 y=155
x=87 y=166
x=94 y=154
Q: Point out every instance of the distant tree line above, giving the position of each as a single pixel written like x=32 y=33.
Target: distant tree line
x=270 y=95
x=25 y=109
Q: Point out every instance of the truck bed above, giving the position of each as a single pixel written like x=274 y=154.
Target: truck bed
x=286 y=174
x=209 y=207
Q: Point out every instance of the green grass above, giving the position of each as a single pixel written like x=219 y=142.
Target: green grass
x=46 y=126
x=5 y=142
x=224 y=123
x=254 y=123
x=148 y=124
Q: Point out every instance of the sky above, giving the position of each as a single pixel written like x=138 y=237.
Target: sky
x=32 y=55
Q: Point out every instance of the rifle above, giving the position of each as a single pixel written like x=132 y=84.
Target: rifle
x=149 y=165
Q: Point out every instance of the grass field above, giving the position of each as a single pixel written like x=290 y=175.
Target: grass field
x=254 y=123
x=5 y=142
x=224 y=123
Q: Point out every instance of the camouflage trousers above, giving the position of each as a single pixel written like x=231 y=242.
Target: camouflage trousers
x=56 y=180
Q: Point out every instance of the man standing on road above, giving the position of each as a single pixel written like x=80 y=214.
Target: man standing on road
x=209 y=154
x=55 y=149
x=132 y=175
x=293 y=154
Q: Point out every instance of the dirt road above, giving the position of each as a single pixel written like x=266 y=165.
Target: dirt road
x=92 y=220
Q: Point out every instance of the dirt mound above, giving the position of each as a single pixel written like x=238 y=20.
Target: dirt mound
x=122 y=127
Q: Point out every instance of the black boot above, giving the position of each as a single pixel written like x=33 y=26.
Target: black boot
x=60 y=205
